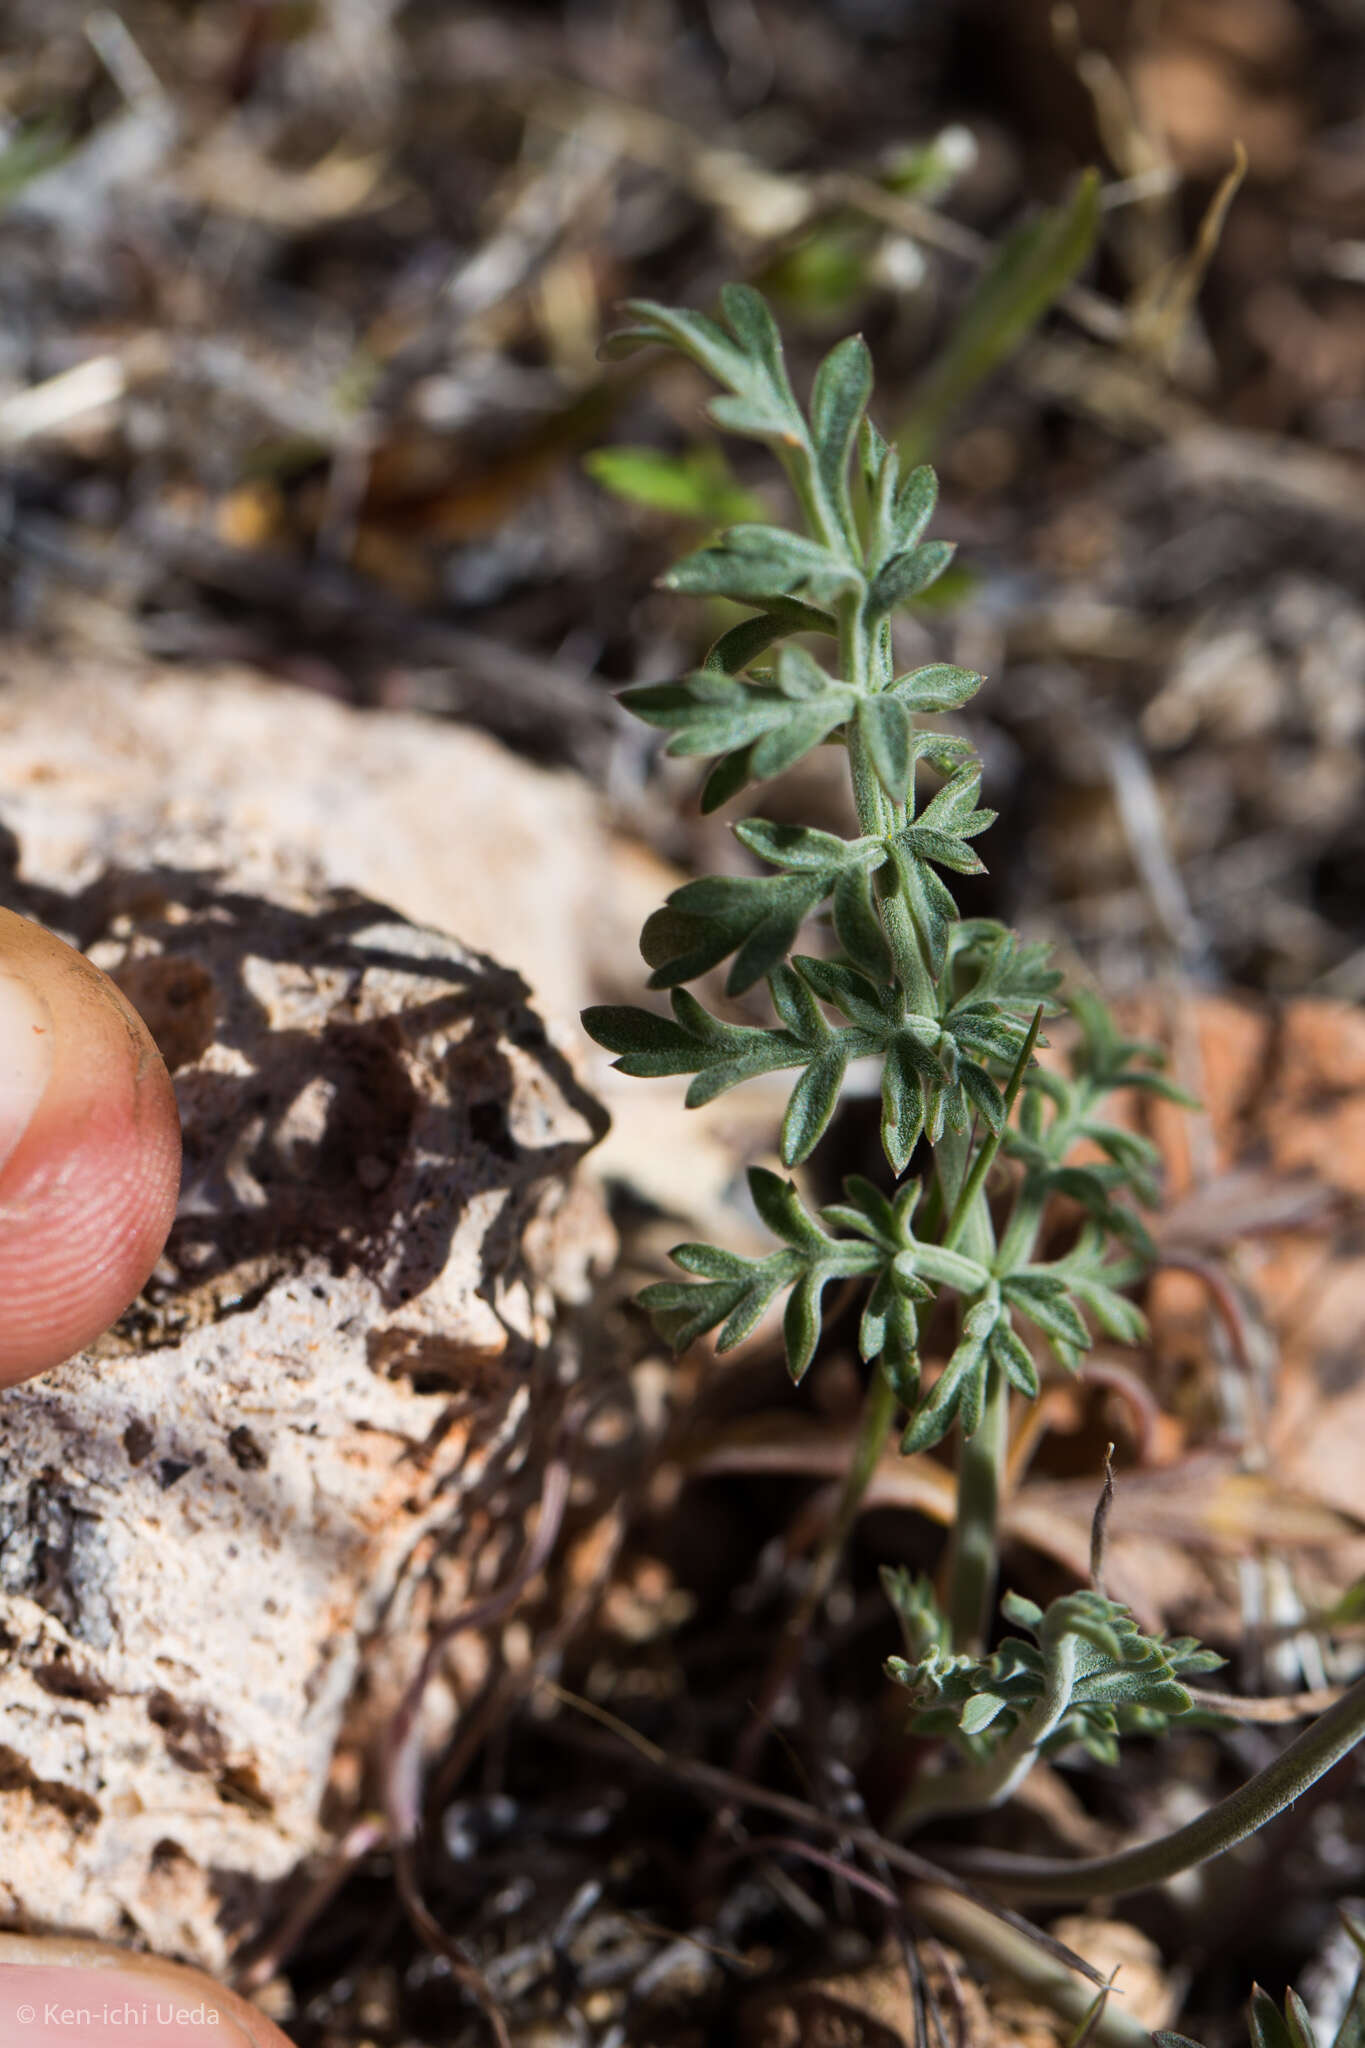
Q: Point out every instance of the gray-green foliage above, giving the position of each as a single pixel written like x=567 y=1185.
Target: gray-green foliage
x=864 y=956
x=1119 y=1682
x=942 y=1003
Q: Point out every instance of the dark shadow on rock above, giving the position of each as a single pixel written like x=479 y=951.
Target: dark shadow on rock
x=359 y=1140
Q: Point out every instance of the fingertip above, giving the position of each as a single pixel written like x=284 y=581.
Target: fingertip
x=88 y=1186
x=64 y=1992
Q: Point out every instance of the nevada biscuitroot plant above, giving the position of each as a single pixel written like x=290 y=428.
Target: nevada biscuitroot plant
x=951 y=1008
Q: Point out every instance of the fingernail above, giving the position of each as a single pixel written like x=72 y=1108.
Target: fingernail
x=44 y=2006
x=25 y=1058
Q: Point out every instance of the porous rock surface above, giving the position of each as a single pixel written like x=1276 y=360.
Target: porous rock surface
x=225 y=1531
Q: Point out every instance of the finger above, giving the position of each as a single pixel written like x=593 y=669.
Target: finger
x=89 y=1150
x=59 y=1993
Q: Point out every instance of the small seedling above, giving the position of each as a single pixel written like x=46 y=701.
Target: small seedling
x=952 y=1009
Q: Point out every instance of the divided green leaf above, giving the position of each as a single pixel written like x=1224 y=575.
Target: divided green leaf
x=948 y=1007
x=1123 y=1681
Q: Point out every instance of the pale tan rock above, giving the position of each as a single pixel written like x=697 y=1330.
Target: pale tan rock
x=104 y=768
x=224 y=1532
x=1133 y=1958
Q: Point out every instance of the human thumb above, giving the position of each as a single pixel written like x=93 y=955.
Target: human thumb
x=60 y=1993
x=89 y=1150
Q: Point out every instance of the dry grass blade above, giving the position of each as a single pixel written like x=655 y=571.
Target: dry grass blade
x=1161 y=309
x=1100 y=1526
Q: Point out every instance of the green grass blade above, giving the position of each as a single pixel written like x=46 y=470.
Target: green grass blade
x=1033 y=267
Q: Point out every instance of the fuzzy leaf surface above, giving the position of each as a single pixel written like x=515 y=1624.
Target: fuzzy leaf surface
x=1124 y=1682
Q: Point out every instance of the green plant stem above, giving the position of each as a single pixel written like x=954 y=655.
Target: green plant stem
x=975 y=1787
x=874 y=818
x=981 y=1460
x=879 y=1402
x=874 y=1426
x=1020 y=1235
x=965 y=1206
x=912 y=970
x=857 y=655
x=1222 y=1827
x=969 y=1219
x=1026 y=1217
x=975 y=1550
x=981 y=1457
x=858 y=659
